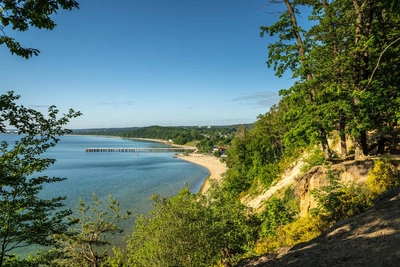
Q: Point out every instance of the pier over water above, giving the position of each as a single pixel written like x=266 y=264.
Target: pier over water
x=145 y=150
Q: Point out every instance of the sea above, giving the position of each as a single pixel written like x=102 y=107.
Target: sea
x=130 y=177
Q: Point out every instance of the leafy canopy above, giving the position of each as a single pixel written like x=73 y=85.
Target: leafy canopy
x=25 y=218
x=94 y=226
x=22 y=14
x=191 y=230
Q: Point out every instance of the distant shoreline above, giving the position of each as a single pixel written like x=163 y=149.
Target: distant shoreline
x=210 y=162
x=159 y=141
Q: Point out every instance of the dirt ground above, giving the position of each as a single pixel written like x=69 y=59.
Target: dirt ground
x=368 y=239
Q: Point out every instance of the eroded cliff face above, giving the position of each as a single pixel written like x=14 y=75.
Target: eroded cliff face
x=352 y=171
x=287 y=179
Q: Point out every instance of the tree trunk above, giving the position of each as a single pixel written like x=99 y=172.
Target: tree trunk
x=364 y=142
x=300 y=44
x=302 y=54
x=1 y=259
x=342 y=134
x=360 y=66
x=381 y=145
x=326 y=150
x=394 y=140
x=325 y=145
x=393 y=144
x=335 y=51
x=361 y=145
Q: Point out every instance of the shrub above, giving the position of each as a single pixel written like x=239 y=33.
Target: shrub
x=301 y=230
x=274 y=215
x=351 y=150
x=266 y=245
x=314 y=157
x=382 y=177
x=191 y=230
x=278 y=212
x=338 y=201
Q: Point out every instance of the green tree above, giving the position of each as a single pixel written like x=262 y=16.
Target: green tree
x=94 y=226
x=338 y=201
x=352 y=36
x=25 y=218
x=191 y=230
x=253 y=155
x=275 y=214
x=205 y=146
x=291 y=52
x=238 y=163
x=348 y=90
x=22 y=14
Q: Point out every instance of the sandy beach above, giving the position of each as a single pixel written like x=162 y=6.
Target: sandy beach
x=212 y=163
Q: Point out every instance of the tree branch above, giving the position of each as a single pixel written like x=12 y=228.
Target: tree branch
x=378 y=63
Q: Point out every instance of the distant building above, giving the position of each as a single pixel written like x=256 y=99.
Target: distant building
x=221 y=149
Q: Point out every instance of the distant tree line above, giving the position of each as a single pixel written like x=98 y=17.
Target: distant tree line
x=204 y=138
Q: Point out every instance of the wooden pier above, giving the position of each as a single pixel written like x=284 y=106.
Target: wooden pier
x=145 y=150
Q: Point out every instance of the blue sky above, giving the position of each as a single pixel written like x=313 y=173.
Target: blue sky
x=128 y=63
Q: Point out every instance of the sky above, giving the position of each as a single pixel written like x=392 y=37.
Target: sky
x=135 y=63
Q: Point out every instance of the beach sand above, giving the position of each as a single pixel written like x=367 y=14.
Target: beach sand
x=212 y=163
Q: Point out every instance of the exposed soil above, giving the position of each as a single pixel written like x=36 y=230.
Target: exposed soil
x=368 y=239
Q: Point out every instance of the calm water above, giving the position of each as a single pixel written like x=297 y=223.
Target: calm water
x=132 y=179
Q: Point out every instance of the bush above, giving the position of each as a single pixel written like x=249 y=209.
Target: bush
x=382 y=177
x=338 y=201
x=191 y=230
x=314 y=157
x=301 y=230
x=274 y=215
x=351 y=150
x=278 y=212
x=266 y=245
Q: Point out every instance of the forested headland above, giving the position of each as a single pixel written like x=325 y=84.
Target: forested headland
x=205 y=138
x=344 y=105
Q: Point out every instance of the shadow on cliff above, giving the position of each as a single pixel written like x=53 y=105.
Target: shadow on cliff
x=368 y=239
